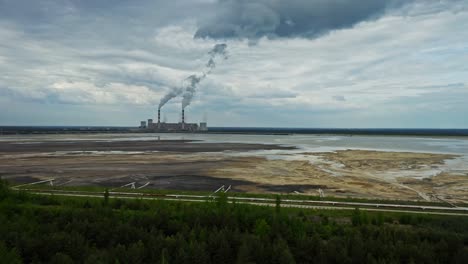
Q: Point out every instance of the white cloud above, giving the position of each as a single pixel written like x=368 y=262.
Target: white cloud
x=112 y=93
x=397 y=61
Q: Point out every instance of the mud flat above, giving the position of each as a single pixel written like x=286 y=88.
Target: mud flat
x=145 y=145
x=355 y=173
x=165 y=164
x=189 y=165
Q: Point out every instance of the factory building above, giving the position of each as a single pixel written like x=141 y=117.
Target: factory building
x=172 y=127
x=203 y=126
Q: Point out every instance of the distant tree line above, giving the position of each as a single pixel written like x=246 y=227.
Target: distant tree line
x=42 y=229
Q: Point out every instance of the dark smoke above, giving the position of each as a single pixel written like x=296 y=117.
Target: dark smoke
x=174 y=92
x=188 y=89
x=194 y=80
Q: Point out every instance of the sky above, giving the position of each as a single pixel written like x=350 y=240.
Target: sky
x=288 y=63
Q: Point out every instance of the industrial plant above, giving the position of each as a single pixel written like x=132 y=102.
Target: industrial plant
x=150 y=126
x=187 y=92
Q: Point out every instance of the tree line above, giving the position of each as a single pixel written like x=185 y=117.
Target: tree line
x=43 y=229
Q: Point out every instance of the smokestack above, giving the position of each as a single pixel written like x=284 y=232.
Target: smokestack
x=159 y=116
x=183 y=118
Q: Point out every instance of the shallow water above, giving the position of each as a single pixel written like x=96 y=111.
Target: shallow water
x=306 y=143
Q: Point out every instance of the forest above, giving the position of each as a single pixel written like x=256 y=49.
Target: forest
x=54 y=229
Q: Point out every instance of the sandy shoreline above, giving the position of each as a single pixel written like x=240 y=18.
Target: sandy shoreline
x=189 y=165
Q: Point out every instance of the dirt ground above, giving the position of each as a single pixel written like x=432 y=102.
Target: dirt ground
x=201 y=166
x=354 y=173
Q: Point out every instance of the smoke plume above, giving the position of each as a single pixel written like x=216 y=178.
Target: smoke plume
x=174 y=92
x=219 y=50
x=190 y=83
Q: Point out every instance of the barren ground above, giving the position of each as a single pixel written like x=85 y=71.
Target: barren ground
x=205 y=166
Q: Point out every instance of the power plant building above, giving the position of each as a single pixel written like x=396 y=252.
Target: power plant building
x=203 y=126
x=172 y=127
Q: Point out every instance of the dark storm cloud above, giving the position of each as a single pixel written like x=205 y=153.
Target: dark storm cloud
x=289 y=18
x=100 y=19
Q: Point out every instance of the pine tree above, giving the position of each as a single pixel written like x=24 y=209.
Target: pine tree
x=278 y=204
x=106 y=197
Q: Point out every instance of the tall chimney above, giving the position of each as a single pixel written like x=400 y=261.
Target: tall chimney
x=183 y=118
x=159 y=116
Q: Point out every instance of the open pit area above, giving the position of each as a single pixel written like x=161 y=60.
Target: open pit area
x=201 y=166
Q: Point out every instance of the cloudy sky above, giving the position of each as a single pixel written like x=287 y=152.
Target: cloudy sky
x=291 y=63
